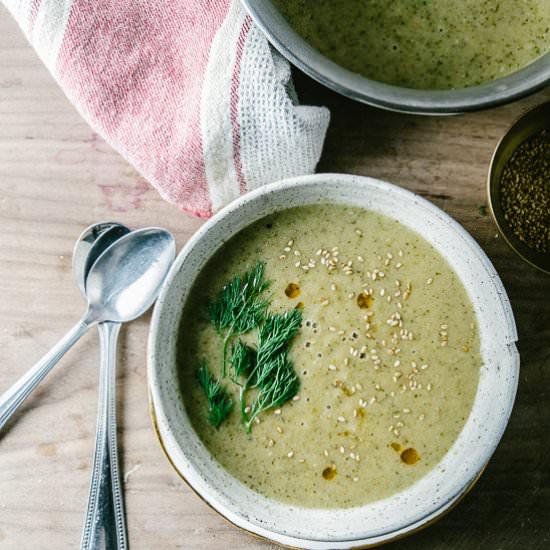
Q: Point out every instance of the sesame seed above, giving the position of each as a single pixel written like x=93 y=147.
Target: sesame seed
x=355 y=479
x=297 y=264
x=286 y=248
x=332 y=286
x=270 y=443
x=325 y=303
x=282 y=257
x=429 y=387
x=421 y=417
x=277 y=411
x=290 y=454
x=296 y=398
x=429 y=281
x=332 y=367
x=297 y=253
x=279 y=429
x=359 y=232
x=302 y=460
x=247 y=409
x=290 y=243
x=406 y=411
x=398 y=265
x=325 y=452
x=360 y=259
x=341 y=419
x=400 y=253
x=342 y=450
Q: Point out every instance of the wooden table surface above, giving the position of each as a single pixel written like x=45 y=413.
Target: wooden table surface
x=57 y=176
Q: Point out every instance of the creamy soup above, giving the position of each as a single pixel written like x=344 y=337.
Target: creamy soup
x=388 y=357
x=430 y=44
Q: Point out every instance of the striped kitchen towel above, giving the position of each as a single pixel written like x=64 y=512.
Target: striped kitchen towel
x=188 y=91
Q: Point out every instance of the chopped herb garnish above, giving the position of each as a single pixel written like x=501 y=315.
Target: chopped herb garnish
x=219 y=400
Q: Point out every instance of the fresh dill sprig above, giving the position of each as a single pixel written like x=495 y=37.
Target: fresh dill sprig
x=239 y=307
x=265 y=372
x=219 y=400
x=274 y=337
x=272 y=373
x=279 y=385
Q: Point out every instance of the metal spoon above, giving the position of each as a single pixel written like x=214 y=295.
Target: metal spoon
x=122 y=284
x=105 y=519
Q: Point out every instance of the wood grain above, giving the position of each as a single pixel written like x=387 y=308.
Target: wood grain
x=57 y=176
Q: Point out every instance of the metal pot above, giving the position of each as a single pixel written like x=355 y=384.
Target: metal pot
x=394 y=98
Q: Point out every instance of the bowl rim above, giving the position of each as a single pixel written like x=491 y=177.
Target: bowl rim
x=156 y=408
x=293 y=47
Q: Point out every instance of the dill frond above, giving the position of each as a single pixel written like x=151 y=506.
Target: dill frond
x=219 y=401
x=239 y=307
x=279 y=384
x=243 y=359
x=273 y=374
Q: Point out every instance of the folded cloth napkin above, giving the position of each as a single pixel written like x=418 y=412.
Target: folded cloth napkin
x=188 y=91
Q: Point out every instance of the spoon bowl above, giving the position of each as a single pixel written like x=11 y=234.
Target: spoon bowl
x=127 y=277
x=83 y=247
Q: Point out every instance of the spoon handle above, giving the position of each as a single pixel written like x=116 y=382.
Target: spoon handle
x=12 y=398
x=105 y=526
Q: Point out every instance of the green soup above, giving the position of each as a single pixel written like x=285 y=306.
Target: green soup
x=388 y=357
x=429 y=44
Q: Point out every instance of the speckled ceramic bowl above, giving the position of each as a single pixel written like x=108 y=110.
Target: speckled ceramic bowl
x=403 y=512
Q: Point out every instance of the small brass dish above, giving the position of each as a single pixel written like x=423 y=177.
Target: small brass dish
x=528 y=125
